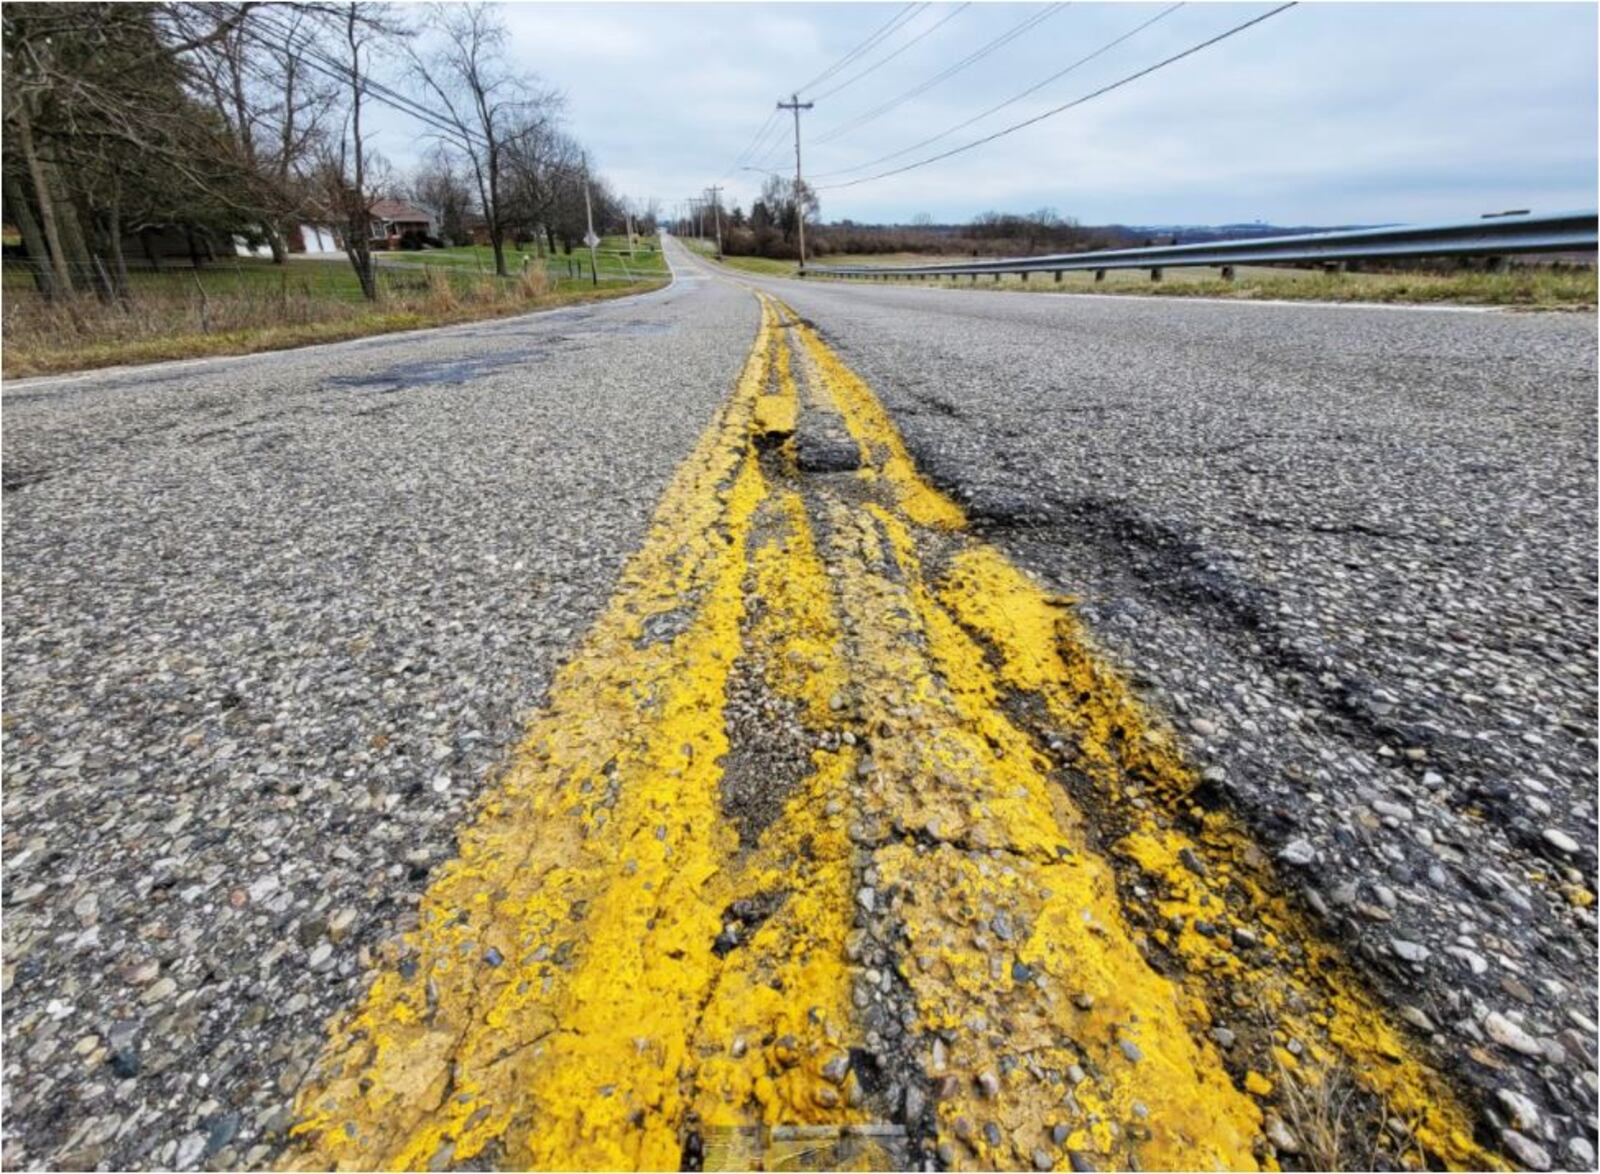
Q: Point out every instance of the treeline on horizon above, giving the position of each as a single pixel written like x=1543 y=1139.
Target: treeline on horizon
x=219 y=122
x=770 y=229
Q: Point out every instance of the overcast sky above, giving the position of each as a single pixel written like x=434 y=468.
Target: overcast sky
x=1324 y=114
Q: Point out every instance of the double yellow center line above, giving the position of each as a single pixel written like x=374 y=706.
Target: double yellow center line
x=975 y=926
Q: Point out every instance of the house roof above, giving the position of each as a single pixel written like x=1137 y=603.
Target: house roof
x=397 y=210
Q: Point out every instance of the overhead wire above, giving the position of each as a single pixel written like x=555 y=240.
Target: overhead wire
x=760 y=134
x=1011 y=101
x=330 y=67
x=1106 y=89
x=323 y=63
x=894 y=22
x=882 y=61
x=763 y=155
x=1028 y=23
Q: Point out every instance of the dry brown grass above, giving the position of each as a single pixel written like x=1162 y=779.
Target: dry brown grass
x=1330 y=1117
x=42 y=337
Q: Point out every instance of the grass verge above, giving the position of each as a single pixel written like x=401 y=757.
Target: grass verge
x=44 y=339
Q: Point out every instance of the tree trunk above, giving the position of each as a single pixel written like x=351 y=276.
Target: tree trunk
x=32 y=238
x=150 y=253
x=359 y=243
x=119 y=263
x=46 y=201
x=497 y=240
x=280 y=251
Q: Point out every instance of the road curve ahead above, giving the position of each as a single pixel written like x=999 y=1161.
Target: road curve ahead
x=958 y=734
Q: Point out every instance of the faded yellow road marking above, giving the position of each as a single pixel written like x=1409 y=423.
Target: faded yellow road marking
x=962 y=905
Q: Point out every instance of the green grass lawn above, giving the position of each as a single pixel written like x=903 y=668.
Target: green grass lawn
x=766 y=266
x=1517 y=286
x=229 y=275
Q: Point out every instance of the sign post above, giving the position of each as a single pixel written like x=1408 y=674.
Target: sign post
x=589 y=237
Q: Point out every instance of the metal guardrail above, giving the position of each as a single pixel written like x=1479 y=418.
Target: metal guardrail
x=1490 y=236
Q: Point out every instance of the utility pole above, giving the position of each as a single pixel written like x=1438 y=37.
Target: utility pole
x=716 y=211
x=796 y=105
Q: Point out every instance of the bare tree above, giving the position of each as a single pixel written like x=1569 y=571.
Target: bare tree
x=350 y=175
x=439 y=185
x=95 y=111
x=488 y=107
x=257 y=77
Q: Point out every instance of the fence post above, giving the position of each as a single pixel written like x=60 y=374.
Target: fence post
x=105 y=278
x=205 y=304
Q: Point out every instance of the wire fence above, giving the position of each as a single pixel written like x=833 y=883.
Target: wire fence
x=396 y=276
x=154 y=305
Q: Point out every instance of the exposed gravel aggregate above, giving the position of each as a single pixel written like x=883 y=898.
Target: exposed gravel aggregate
x=269 y=624
x=1351 y=553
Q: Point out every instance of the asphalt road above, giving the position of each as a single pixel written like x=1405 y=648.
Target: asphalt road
x=271 y=622
x=268 y=623
x=1351 y=552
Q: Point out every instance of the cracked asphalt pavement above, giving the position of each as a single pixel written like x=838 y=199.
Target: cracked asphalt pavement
x=1351 y=552
x=268 y=623
x=272 y=623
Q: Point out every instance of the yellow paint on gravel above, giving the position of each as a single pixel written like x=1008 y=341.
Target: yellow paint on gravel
x=1042 y=651
x=988 y=873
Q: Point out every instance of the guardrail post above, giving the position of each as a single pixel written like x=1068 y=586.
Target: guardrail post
x=974 y=279
x=1333 y=268
x=1155 y=274
x=997 y=279
x=1024 y=276
x=1227 y=273
x=1494 y=264
x=1099 y=276
x=1058 y=277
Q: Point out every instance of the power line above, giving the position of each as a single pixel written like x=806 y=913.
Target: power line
x=765 y=153
x=1027 y=23
x=754 y=139
x=1011 y=101
x=935 y=27
x=320 y=61
x=1106 y=89
x=330 y=67
x=866 y=46
x=762 y=156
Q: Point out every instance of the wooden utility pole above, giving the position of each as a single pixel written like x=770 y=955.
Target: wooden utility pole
x=716 y=212
x=796 y=105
